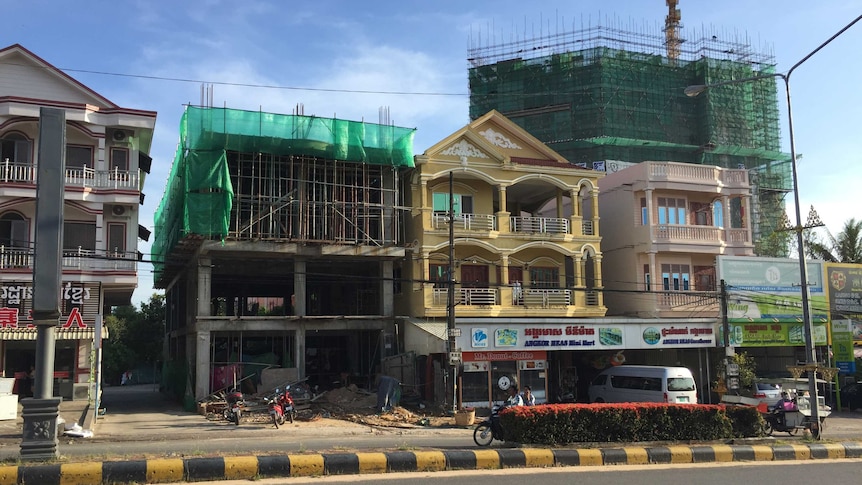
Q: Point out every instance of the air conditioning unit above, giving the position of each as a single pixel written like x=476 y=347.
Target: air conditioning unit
x=119 y=210
x=119 y=135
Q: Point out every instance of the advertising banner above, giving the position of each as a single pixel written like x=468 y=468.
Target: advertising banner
x=764 y=305
x=845 y=295
x=594 y=336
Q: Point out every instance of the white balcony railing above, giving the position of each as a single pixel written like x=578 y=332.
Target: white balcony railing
x=468 y=222
x=73 y=259
x=540 y=225
x=82 y=177
x=546 y=297
x=468 y=296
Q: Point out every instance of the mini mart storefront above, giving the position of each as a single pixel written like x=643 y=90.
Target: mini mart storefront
x=551 y=356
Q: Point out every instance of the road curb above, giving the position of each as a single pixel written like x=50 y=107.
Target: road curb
x=172 y=470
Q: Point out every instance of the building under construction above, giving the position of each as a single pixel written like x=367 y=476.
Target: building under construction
x=277 y=240
x=597 y=94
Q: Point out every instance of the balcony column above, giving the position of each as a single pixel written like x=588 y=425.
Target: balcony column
x=649 y=217
x=575 y=217
x=506 y=292
x=504 y=270
x=746 y=201
x=424 y=209
x=652 y=272
x=204 y=287
x=594 y=194
x=598 y=283
x=725 y=212
x=299 y=288
x=503 y=221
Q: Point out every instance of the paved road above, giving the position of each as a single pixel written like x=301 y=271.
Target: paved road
x=148 y=423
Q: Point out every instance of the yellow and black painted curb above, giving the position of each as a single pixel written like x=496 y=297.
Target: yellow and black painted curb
x=169 y=470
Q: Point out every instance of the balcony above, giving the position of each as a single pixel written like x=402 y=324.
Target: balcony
x=684 y=301
x=702 y=174
x=540 y=225
x=73 y=259
x=78 y=177
x=467 y=222
x=468 y=296
x=676 y=232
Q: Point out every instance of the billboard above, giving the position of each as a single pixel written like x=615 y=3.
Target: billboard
x=764 y=306
x=844 y=287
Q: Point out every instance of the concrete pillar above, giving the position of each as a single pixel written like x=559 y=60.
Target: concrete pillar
x=387 y=289
x=648 y=194
x=653 y=271
x=559 y=203
x=725 y=212
x=299 y=287
x=202 y=344
x=204 y=287
x=746 y=201
x=503 y=216
x=299 y=350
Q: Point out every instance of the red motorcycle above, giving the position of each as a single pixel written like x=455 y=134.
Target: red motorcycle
x=281 y=405
x=233 y=410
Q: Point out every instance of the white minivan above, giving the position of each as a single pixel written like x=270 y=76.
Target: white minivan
x=644 y=383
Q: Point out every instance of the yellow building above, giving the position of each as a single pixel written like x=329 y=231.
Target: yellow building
x=525 y=250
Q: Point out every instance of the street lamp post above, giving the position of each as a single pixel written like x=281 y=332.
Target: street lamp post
x=810 y=351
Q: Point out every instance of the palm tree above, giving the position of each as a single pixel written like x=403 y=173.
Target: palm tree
x=845 y=248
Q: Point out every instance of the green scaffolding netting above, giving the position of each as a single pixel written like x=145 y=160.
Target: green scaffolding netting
x=199 y=194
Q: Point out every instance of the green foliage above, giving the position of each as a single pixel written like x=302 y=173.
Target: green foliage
x=557 y=424
x=844 y=248
x=134 y=337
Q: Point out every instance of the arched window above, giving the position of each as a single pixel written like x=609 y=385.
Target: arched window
x=16 y=148
x=13 y=231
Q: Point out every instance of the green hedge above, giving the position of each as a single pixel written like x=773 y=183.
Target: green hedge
x=557 y=424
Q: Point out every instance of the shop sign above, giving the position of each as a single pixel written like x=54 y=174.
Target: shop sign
x=503 y=356
x=16 y=300
x=774 y=334
x=591 y=337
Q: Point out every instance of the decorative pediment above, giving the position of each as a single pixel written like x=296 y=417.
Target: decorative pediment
x=464 y=148
x=498 y=139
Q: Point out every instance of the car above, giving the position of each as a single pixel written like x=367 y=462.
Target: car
x=767 y=393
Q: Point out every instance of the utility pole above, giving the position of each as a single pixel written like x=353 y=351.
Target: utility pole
x=453 y=354
x=40 y=412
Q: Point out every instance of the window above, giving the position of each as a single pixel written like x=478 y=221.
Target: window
x=704 y=278
x=675 y=277
x=14 y=232
x=117 y=239
x=644 y=214
x=671 y=211
x=79 y=157
x=718 y=213
x=79 y=235
x=16 y=148
x=463 y=204
x=439 y=275
x=119 y=159
x=544 y=277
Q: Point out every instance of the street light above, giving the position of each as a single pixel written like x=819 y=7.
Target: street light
x=810 y=353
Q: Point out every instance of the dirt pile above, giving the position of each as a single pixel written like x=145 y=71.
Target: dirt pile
x=359 y=406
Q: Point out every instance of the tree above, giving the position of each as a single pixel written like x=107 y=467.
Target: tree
x=134 y=337
x=844 y=248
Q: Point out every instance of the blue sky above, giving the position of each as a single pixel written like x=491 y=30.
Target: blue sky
x=421 y=46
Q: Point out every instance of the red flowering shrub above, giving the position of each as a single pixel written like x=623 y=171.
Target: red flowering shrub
x=626 y=422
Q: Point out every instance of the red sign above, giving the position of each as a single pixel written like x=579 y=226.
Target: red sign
x=505 y=355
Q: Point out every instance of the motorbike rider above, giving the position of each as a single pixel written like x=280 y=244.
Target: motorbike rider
x=782 y=406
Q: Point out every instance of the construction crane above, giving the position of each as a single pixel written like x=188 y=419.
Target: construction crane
x=671 y=30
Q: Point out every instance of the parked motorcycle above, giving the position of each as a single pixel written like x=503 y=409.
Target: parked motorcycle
x=489 y=430
x=233 y=410
x=281 y=405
